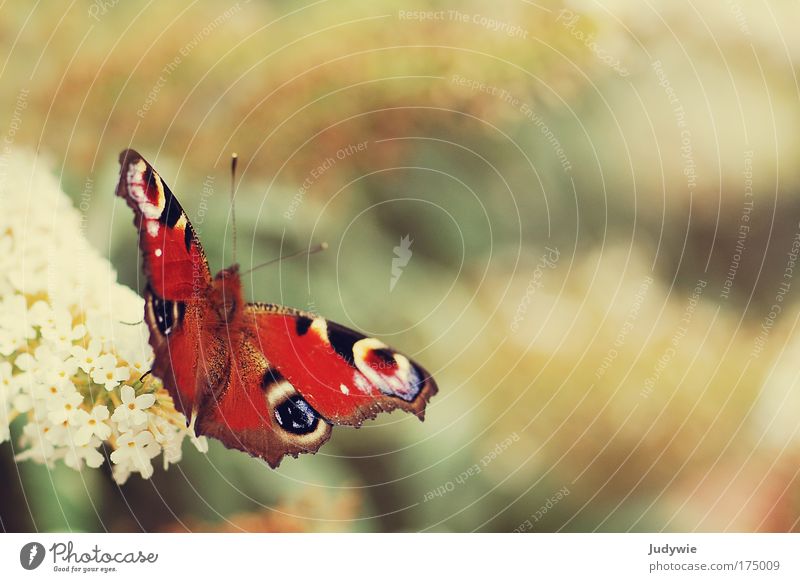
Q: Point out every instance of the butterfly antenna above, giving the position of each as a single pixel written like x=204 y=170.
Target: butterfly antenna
x=234 y=161
x=323 y=246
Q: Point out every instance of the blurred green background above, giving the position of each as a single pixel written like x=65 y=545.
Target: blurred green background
x=567 y=173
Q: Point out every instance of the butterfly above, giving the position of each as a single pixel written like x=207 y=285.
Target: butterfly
x=262 y=378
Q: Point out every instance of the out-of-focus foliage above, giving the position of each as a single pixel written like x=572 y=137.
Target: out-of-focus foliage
x=567 y=184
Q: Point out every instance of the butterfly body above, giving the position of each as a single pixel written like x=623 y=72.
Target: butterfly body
x=262 y=378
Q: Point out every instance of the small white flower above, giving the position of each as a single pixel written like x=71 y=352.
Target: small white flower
x=100 y=325
x=5 y=423
x=63 y=408
x=43 y=375
x=92 y=424
x=131 y=411
x=199 y=442
x=58 y=372
x=61 y=334
x=120 y=473
x=86 y=358
x=8 y=260
x=27 y=383
x=137 y=354
x=5 y=419
x=15 y=330
x=46 y=360
x=39 y=449
x=25 y=362
x=7 y=393
x=170 y=439
x=77 y=454
x=41 y=315
x=7 y=385
x=57 y=435
x=23 y=399
x=108 y=374
x=136 y=450
x=45 y=391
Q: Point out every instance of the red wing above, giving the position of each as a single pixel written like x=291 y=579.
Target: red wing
x=258 y=411
x=176 y=335
x=178 y=282
x=174 y=261
x=344 y=376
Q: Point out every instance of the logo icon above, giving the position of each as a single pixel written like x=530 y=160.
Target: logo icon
x=31 y=555
x=402 y=256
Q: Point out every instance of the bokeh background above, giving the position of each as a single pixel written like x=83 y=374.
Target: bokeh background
x=602 y=198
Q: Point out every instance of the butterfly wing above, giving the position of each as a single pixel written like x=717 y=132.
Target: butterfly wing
x=178 y=282
x=258 y=411
x=293 y=375
x=344 y=376
x=174 y=262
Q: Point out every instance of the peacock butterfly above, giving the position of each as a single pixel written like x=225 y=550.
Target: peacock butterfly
x=262 y=378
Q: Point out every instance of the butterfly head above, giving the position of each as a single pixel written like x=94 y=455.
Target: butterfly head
x=229 y=273
x=228 y=292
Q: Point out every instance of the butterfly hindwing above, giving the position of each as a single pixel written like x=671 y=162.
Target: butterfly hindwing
x=194 y=358
x=343 y=375
x=258 y=411
x=287 y=386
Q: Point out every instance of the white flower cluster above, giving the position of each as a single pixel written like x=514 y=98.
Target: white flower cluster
x=71 y=354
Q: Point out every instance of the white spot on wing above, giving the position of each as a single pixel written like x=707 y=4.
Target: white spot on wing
x=152 y=227
x=320 y=327
x=362 y=383
x=344 y=389
x=363 y=347
x=158 y=252
x=136 y=182
x=136 y=189
x=400 y=381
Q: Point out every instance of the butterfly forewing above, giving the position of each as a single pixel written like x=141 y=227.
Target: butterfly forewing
x=174 y=262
